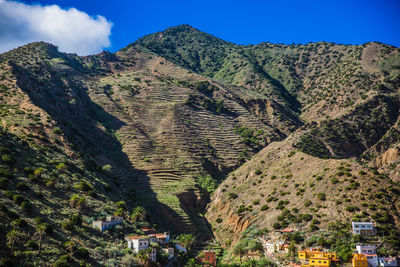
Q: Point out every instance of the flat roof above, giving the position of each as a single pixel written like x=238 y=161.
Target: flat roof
x=137 y=237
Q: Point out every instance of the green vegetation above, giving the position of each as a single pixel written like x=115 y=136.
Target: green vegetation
x=125 y=134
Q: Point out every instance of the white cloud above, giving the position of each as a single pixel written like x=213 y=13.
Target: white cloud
x=71 y=30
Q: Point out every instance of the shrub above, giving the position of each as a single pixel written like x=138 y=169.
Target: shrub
x=82 y=252
x=6 y=173
x=276 y=225
x=61 y=166
x=7 y=159
x=352 y=208
x=256 y=202
x=307 y=217
x=22 y=186
x=28 y=170
x=334 y=180
x=76 y=219
x=20 y=223
x=313 y=227
x=62 y=262
x=57 y=130
x=218 y=220
x=84 y=186
x=264 y=207
x=18 y=199
x=48 y=228
x=67 y=225
x=291 y=153
x=241 y=209
x=32 y=245
x=121 y=204
x=9 y=194
x=307 y=203
x=233 y=195
x=258 y=172
x=12 y=215
x=26 y=206
x=3 y=183
x=107 y=168
x=321 y=196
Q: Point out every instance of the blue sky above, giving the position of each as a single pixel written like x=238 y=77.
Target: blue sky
x=250 y=21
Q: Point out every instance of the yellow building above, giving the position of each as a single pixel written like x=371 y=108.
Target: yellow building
x=318 y=262
x=317 y=258
x=360 y=260
x=316 y=254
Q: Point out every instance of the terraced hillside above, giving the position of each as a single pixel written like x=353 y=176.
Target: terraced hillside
x=167 y=134
x=162 y=122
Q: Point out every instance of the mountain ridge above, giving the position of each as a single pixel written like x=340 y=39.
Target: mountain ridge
x=167 y=123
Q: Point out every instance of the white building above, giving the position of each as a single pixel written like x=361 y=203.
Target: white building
x=109 y=223
x=138 y=243
x=387 y=262
x=372 y=260
x=366 y=249
x=153 y=254
x=169 y=252
x=270 y=248
x=142 y=242
x=363 y=228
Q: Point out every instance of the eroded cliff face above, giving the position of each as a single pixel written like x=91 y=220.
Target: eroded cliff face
x=234 y=223
x=389 y=163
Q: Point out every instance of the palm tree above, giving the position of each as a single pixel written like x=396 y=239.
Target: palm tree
x=186 y=240
x=40 y=231
x=70 y=246
x=138 y=214
x=239 y=250
x=12 y=237
x=292 y=250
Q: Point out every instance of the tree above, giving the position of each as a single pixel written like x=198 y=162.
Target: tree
x=292 y=250
x=186 y=240
x=40 y=231
x=69 y=246
x=239 y=250
x=12 y=237
x=144 y=256
x=138 y=214
x=255 y=245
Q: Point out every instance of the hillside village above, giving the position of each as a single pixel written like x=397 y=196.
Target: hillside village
x=182 y=149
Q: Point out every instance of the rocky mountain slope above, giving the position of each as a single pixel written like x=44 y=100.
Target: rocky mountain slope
x=163 y=121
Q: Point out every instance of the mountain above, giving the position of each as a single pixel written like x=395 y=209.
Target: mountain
x=193 y=128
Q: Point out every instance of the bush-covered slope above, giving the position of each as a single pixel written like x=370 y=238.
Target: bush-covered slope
x=282 y=187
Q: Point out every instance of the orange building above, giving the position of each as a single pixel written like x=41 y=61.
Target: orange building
x=360 y=260
x=209 y=259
